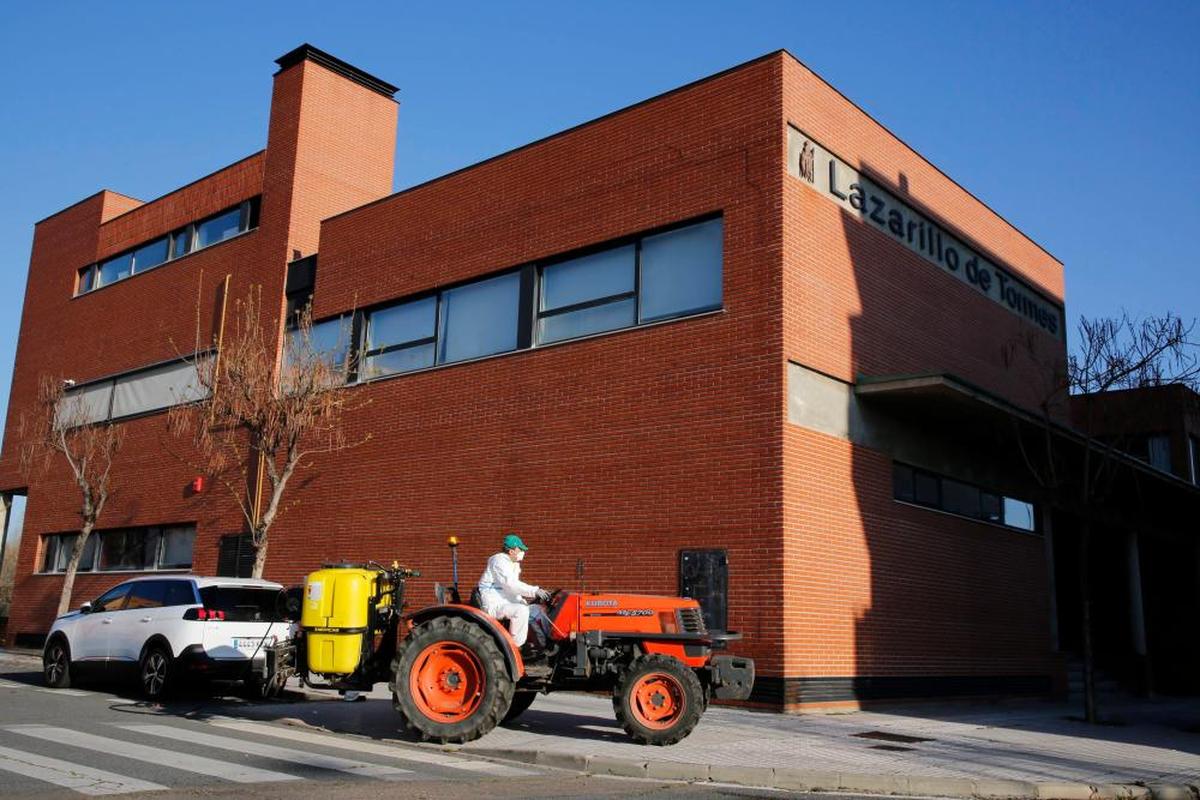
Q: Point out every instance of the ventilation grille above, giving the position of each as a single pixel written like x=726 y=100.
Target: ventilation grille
x=691 y=621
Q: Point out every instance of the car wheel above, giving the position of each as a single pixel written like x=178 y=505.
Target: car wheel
x=154 y=672
x=56 y=664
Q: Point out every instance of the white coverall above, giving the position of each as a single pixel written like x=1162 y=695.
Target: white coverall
x=505 y=596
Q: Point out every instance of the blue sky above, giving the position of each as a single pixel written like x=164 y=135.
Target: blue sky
x=1076 y=121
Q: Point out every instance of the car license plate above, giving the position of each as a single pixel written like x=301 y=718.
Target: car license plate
x=248 y=646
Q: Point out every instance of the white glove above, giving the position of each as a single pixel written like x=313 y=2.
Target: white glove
x=543 y=595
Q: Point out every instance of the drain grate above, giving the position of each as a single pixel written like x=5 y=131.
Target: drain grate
x=884 y=736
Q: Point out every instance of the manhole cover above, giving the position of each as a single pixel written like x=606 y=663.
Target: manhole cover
x=884 y=736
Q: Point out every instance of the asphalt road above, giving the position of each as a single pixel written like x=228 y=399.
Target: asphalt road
x=100 y=740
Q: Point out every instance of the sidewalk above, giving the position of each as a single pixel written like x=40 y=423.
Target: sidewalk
x=1026 y=750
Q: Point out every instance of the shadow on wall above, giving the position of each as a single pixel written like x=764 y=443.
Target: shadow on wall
x=956 y=607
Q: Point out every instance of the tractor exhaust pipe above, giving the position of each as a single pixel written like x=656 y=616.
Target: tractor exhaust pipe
x=453 y=542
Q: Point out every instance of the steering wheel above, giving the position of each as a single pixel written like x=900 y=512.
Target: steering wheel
x=555 y=596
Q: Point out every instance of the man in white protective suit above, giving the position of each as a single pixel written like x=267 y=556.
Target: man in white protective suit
x=505 y=596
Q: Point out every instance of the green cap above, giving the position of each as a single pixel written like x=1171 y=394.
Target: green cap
x=512 y=540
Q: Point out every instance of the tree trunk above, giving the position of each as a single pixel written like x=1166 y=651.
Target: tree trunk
x=1085 y=599
x=64 y=599
x=260 y=558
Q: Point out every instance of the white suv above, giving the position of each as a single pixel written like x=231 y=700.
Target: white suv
x=164 y=628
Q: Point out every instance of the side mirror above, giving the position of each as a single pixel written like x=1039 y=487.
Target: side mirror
x=85 y=608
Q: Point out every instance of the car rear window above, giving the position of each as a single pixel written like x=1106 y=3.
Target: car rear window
x=244 y=604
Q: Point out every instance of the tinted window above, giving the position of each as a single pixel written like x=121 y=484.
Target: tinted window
x=177 y=544
x=681 y=271
x=58 y=553
x=150 y=255
x=902 y=482
x=179 y=593
x=400 y=338
x=115 y=269
x=181 y=242
x=588 y=278
x=960 y=498
x=925 y=489
x=219 y=228
x=586 y=295
x=479 y=319
x=146 y=594
x=129 y=549
x=244 y=604
x=113 y=599
x=1019 y=514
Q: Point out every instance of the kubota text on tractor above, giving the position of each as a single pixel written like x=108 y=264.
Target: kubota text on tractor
x=455 y=672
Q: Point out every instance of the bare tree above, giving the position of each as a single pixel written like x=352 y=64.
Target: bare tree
x=1111 y=353
x=264 y=414
x=65 y=426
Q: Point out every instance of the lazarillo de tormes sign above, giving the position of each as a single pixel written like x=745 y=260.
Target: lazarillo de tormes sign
x=870 y=202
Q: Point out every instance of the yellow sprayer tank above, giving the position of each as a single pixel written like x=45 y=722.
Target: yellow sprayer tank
x=337 y=615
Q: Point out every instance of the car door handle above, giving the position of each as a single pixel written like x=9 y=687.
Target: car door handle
x=145 y=619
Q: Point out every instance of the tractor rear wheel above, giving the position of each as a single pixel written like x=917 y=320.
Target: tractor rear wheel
x=450 y=682
x=658 y=700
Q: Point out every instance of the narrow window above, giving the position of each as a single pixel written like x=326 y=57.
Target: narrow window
x=219 y=228
x=1194 y=458
x=681 y=271
x=149 y=256
x=114 y=269
x=479 y=319
x=400 y=338
x=181 y=241
x=177 y=545
x=87 y=277
x=1159 y=452
x=1019 y=514
x=329 y=341
x=586 y=295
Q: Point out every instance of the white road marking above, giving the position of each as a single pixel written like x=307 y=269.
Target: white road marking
x=65 y=692
x=358 y=745
x=11 y=685
x=85 y=780
x=288 y=754
x=139 y=752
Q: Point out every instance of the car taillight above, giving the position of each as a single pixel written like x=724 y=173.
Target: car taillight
x=203 y=614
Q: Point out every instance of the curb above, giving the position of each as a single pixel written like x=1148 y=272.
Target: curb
x=811 y=780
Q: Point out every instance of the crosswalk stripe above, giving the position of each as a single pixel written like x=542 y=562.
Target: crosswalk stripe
x=288 y=754
x=372 y=748
x=84 y=780
x=153 y=755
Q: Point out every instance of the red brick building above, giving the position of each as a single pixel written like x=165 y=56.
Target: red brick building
x=737 y=340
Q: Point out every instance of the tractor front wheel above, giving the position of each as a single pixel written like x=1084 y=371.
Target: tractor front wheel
x=450 y=683
x=658 y=700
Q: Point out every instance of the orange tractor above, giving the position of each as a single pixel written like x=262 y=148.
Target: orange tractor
x=456 y=673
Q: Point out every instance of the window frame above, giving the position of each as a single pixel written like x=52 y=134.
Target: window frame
x=633 y=294
x=365 y=353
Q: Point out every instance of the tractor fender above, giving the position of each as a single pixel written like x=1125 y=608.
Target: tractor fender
x=504 y=640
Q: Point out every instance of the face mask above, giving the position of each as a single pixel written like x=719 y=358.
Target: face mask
x=520 y=556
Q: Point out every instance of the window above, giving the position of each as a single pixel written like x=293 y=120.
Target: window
x=681 y=271
x=146 y=594
x=57 y=552
x=1159 y=452
x=157 y=388
x=1194 y=458
x=328 y=341
x=115 y=269
x=149 y=256
x=244 y=603
x=479 y=319
x=137 y=392
x=924 y=488
x=219 y=228
x=400 y=338
x=113 y=599
x=587 y=295
x=179 y=593
x=189 y=238
x=126 y=549
x=642 y=279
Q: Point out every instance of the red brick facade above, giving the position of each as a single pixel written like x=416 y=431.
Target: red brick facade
x=620 y=449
